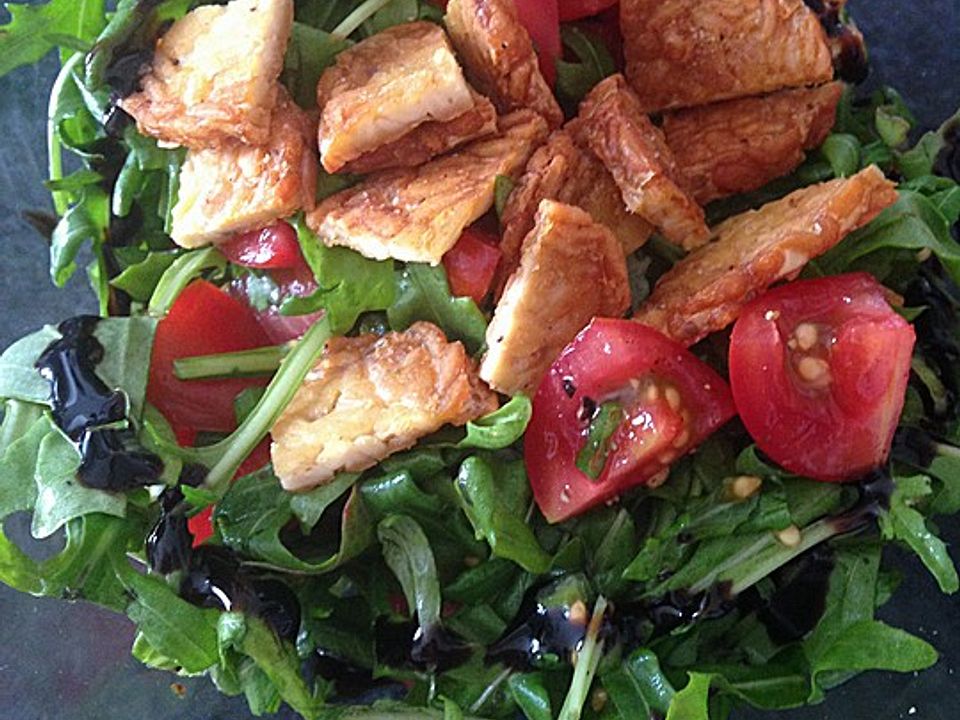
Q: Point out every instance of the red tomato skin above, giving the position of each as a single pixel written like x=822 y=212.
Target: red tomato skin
x=204 y=320
x=541 y=18
x=472 y=263
x=273 y=246
x=840 y=432
x=579 y=9
x=601 y=360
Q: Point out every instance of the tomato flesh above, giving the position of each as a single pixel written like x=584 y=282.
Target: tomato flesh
x=204 y=320
x=472 y=263
x=819 y=371
x=579 y=9
x=274 y=246
x=670 y=401
x=541 y=18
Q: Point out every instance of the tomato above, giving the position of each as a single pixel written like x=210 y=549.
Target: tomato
x=541 y=18
x=204 y=320
x=819 y=371
x=472 y=263
x=274 y=246
x=579 y=9
x=290 y=282
x=668 y=402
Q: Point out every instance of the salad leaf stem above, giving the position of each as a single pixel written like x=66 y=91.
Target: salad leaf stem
x=180 y=273
x=245 y=363
x=355 y=19
x=588 y=659
x=54 y=149
x=229 y=453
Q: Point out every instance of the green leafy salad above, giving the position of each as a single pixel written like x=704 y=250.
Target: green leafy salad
x=450 y=419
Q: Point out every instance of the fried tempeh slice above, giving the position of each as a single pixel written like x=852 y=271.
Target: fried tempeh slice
x=704 y=292
x=682 y=53
x=236 y=187
x=369 y=397
x=559 y=170
x=740 y=145
x=214 y=75
x=613 y=125
x=417 y=214
x=571 y=269
x=499 y=57
x=430 y=139
x=385 y=86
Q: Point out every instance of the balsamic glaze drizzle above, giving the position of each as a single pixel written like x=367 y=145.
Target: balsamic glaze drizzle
x=85 y=408
x=846 y=43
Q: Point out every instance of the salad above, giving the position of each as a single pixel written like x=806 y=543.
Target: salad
x=488 y=358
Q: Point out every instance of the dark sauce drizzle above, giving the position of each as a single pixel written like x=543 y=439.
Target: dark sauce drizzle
x=846 y=42
x=947 y=163
x=85 y=408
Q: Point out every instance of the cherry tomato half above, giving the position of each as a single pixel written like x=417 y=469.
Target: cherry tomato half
x=472 y=263
x=204 y=320
x=819 y=370
x=579 y=9
x=668 y=402
x=274 y=246
x=541 y=18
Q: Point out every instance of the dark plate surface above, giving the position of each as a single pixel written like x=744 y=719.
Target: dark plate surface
x=62 y=661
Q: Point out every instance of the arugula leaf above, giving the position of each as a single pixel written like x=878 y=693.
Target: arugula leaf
x=501 y=428
x=531 y=696
x=873 y=645
x=423 y=294
x=140 y=279
x=18 y=464
x=502 y=187
x=348 y=283
x=35 y=30
x=903 y=522
x=842 y=151
x=60 y=496
x=256 y=509
x=779 y=683
x=594 y=63
x=182 y=271
x=912 y=223
x=592 y=457
x=276 y=660
x=310 y=51
x=495 y=498
x=691 y=702
x=85 y=221
x=19 y=378
x=638 y=687
x=588 y=659
x=18 y=417
x=170 y=625
x=407 y=552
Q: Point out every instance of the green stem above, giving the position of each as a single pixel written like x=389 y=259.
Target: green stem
x=587 y=661
x=223 y=458
x=776 y=556
x=180 y=273
x=359 y=16
x=246 y=363
x=61 y=201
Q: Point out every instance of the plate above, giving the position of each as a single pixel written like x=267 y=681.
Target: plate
x=62 y=661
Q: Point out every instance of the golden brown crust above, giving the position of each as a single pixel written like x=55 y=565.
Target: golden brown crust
x=499 y=57
x=369 y=397
x=417 y=214
x=705 y=291
x=236 y=187
x=561 y=171
x=385 y=86
x=613 y=125
x=214 y=75
x=571 y=269
x=681 y=53
x=740 y=145
x=430 y=139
